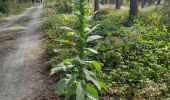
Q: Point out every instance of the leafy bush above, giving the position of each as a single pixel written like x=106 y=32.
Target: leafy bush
x=79 y=80
x=4 y=6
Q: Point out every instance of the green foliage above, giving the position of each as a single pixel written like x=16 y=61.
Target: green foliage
x=139 y=57
x=132 y=62
x=61 y=6
x=111 y=25
x=80 y=71
x=165 y=11
x=10 y=8
x=4 y=6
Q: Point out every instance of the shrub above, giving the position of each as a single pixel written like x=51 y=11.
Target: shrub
x=4 y=6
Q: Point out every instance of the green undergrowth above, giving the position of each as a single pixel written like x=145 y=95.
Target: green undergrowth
x=14 y=9
x=135 y=59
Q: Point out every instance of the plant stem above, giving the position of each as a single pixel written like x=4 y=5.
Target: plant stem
x=82 y=41
x=82 y=21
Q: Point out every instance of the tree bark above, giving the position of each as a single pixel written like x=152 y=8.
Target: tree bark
x=103 y=2
x=142 y=3
x=96 y=8
x=117 y=4
x=133 y=9
x=159 y=2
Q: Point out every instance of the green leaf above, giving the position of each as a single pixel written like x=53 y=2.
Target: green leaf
x=66 y=28
x=61 y=86
x=61 y=67
x=103 y=85
x=64 y=41
x=93 y=37
x=68 y=60
x=71 y=79
x=92 y=50
x=80 y=91
x=92 y=77
x=92 y=93
x=79 y=60
x=57 y=68
x=96 y=65
x=64 y=85
x=93 y=29
x=70 y=34
x=60 y=50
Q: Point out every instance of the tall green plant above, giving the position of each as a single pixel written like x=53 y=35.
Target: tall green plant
x=80 y=80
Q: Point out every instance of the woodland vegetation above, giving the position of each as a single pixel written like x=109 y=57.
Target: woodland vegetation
x=108 y=49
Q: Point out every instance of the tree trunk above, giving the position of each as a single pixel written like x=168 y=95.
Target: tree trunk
x=159 y=2
x=103 y=2
x=117 y=4
x=133 y=9
x=96 y=8
x=142 y=3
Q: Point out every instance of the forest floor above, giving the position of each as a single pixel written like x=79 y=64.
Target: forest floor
x=23 y=75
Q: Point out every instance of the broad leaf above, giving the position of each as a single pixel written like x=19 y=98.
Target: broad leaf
x=64 y=41
x=66 y=28
x=80 y=91
x=60 y=50
x=61 y=67
x=61 y=86
x=92 y=50
x=64 y=85
x=93 y=29
x=96 y=65
x=92 y=93
x=68 y=60
x=79 y=60
x=70 y=34
x=92 y=77
x=93 y=37
x=71 y=79
x=57 y=68
x=103 y=85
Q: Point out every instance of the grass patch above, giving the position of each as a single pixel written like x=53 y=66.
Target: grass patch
x=15 y=9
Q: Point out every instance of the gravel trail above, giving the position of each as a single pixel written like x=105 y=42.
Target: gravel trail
x=23 y=75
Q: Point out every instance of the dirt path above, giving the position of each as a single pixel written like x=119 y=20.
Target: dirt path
x=22 y=58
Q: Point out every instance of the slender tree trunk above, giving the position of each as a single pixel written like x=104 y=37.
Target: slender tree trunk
x=117 y=4
x=103 y=2
x=142 y=3
x=96 y=8
x=150 y=2
x=159 y=2
x=133 y=9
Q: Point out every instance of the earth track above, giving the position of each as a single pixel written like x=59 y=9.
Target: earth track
x=23 y=74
